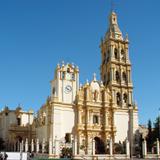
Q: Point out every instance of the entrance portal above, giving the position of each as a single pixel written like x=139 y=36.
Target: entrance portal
x=99 y=146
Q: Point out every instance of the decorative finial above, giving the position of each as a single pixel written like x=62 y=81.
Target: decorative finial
x=72 y=65
x=62 y=63
x=80 y=86
x=94 y=77
x=58 y=65
x=101 y=83
x=126 y=38
x=77 y=68
x=87 y=83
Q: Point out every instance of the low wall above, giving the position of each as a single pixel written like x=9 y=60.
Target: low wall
x=100 y=157
x=16 y=155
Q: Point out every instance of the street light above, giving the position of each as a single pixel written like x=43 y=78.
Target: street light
x=159 y=123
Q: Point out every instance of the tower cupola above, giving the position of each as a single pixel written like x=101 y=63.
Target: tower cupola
x=114 y=31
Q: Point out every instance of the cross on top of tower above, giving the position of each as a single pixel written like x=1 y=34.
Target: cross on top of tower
x=94 y=76
x=112 y=5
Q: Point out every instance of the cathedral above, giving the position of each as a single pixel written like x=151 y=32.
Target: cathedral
x=101 y=109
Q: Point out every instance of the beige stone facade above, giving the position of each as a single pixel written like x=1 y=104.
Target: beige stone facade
x=16 y=126
x=99 y=110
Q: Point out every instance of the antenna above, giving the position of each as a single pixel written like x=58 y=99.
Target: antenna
x=112 y=5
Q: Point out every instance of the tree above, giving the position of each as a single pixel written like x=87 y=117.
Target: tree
x=150 y=138
x=66 y=152
x=156 y=132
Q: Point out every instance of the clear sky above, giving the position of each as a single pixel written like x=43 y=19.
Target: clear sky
x=37 y=34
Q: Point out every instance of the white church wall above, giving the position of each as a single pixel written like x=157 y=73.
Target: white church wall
x=121 y=120
x=63 y=121
x=26 y=119
x=135 y=122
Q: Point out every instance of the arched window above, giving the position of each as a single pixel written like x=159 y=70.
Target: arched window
x=83 y=119
x=53 y=90
x=108 y=77
x=18 y=121
x=63 y=75
x=104 y=55
x=104 y=78
x=117 y=76
x=124 y=76
x=108 y=55
x=125 y=97
x=104 y=58
x=95 y=95
x=68 y=138
x=73 y=76
x=123 y=55
x=118 y=98
x=95 y=119
x=116 y=53
x=68 y=70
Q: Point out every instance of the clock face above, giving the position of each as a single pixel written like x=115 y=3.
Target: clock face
x=68 y=76
x=68 y=89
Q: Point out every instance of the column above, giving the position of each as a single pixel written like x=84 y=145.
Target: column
x=93 y=147
x=129 y=97
x=56 y=147
x=43 y=145
x=112 y=74
x=18 y=147
x=21 y=150
x=112 y=52
x=119 y=53
x=127 y=53
x=22 y=145
x=127 y=149
x=50 y=146
x=110 y=147
x=157 y=146
x=74 y=146
x=32 y=146
x=26 y=145
x=144 y=147
x=37 y=145
x=14 y=146
x=89 y=145
x=88 y=116
x=79 y=116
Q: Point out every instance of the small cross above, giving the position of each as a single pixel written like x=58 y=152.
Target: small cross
x=94 y=76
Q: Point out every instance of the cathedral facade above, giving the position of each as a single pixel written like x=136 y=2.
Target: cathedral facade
x=99 y=110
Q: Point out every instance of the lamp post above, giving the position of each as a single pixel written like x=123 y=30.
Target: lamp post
x=159 y=123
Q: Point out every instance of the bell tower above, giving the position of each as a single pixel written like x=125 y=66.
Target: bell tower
x=115 y=65
x=116 y=75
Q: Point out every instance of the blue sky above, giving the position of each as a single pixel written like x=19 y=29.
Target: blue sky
x=36 y=34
